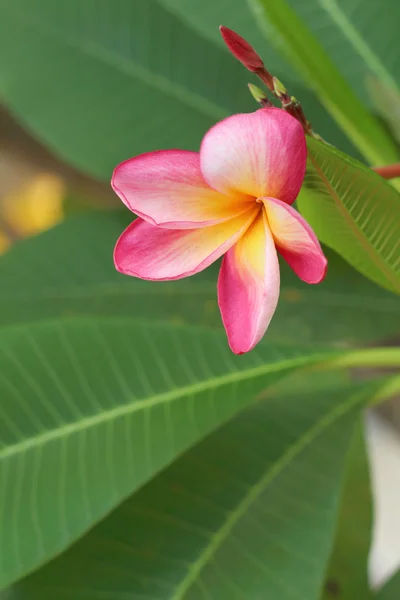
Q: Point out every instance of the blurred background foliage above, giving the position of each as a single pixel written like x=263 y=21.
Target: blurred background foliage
x=85 y=84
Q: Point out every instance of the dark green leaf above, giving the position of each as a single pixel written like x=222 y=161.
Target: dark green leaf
x=206 y=17
x=347 y=576
x=93 y=408
x=248 y=513
x=102 y=81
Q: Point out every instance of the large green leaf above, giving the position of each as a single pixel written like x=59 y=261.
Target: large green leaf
x=312 y=60
x=354 y=211
x=391 y=589
x=102 y=81
x=92 y=408
x=347 y=576
x=69 y=271
x=248 y=513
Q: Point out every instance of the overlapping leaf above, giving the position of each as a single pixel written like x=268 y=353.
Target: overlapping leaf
x=354 y=211
x=249 y=513
x=347 y=575
x=91 y=409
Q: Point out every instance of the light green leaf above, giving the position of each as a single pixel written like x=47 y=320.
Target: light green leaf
x=69 y=271
x=92 y=408
x=387 y=103
x=347 y=576
x=391 y=589
x=354 y=211
x=312 y=60
x=102 y=81
x=248 y=513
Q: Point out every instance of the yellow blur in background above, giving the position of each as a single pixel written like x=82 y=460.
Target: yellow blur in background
x=32 y=208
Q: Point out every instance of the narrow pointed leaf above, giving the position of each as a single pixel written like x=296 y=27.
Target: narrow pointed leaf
x=354 y=211
x=347 y=575
x=387 y=103
x=248 y=513
x=93 y=408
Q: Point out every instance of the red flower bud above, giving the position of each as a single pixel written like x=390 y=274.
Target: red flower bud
x=241 y=50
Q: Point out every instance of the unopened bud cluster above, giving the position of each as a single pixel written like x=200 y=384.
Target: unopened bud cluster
x=246 y=54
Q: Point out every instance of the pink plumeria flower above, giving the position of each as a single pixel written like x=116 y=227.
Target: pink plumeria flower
x=233 y=198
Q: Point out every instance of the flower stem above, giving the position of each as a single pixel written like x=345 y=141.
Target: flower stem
x=367 y=357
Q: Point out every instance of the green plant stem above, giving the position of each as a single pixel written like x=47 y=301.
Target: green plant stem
x=368 y=357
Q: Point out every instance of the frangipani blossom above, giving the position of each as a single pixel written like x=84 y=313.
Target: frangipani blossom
x=233 y=198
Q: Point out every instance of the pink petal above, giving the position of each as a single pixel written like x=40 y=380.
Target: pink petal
x=248 y=287
x=167 y=188
x=155 y=253
x=261 y=154
x=296 y=241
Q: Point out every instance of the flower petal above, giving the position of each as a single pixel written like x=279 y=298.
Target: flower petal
x=248 y=286
x=155 y=253
x=166 y=188
x=261 y=154
x=296 y=241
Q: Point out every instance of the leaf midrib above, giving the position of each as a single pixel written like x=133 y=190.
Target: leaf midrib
x=292 y=452
x=126 y=67
x=359 y=234
x=165 y=397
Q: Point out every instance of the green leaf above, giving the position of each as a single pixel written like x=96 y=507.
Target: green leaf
x=360 y=37
x=69 y=271
x=347 y=576
x=387 y=103
x=312 y=60
x=354 y=211
x=92 y=408
x=248 y=513
x=101 y=81
x=391 y=589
